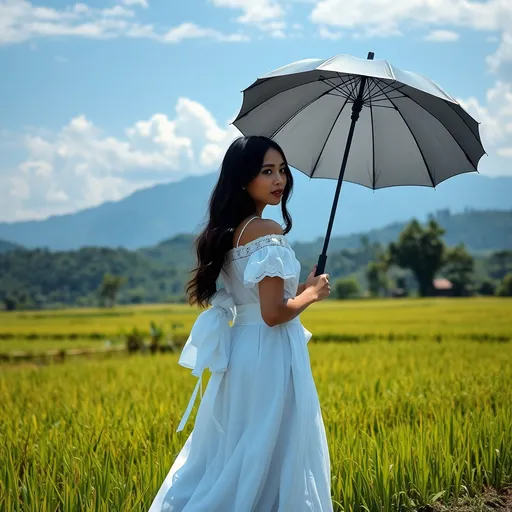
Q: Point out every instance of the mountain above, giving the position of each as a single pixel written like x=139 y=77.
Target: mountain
x=479 y=231
x=151 y=215
x=40 y=277
x=8 y=246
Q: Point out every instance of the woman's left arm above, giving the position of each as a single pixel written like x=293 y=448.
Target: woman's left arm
x=301 y=288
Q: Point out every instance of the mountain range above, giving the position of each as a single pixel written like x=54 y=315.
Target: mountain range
x=161 y=212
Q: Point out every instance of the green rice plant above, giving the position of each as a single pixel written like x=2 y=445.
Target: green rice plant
x=409 y=423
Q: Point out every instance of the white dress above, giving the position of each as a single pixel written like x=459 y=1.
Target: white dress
x=259 y=442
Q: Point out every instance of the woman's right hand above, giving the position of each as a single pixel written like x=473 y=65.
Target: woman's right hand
x=320 y=284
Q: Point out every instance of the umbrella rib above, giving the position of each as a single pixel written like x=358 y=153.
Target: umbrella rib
x=384 y=106
x=370 y=91
x=373 y=143
x=415 y=140
x=298 y=112
x=273 y=96
x=351 y=83
x=346 y=83
x=367 y=88
x=339 y=94
x=442 y=124
x=327 y=138
x=383 y=93
x=392 y=87
x=452 y=106
x=319 y=79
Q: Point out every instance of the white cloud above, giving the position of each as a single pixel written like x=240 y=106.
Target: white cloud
x=505 y=152
x=253 y=11
x=266 y=15
x=142 y=3
x=119 y=11
x=80 y=166
x=326 y=33
x=390 y=17
x=390 y=14
x=193 y=31
x=21 y=21
x=442 y=36
x=495 y=117
x=503 y=54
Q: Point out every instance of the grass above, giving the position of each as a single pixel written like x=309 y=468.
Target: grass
x=471 y=318
x=421 y=424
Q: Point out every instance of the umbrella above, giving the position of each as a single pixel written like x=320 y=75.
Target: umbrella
x=409 y=131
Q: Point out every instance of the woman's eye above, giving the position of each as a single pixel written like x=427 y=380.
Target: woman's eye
x=267 y=171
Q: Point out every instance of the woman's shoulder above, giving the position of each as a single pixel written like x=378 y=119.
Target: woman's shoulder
x=260 y=228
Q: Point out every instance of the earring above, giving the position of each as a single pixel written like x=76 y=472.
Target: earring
x=243 y=188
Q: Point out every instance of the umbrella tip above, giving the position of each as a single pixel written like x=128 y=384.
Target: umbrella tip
x=370 y=55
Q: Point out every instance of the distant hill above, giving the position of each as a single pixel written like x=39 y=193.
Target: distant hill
x=478 y=231
x=8 y=246
x=158 y=273
x=39 y=277
x=161 y=212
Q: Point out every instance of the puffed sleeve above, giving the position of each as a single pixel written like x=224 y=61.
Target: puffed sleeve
x=270 y=261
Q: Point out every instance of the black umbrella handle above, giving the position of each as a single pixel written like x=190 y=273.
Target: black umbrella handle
x=356 y=109
x=322 y=260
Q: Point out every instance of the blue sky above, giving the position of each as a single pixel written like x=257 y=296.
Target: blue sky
x=101 y=98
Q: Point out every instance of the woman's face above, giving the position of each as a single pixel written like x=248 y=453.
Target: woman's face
x=268 y=186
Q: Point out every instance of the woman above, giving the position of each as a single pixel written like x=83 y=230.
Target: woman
x=258 y=443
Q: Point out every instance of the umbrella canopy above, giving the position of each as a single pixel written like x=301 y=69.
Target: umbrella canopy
x=409 y=131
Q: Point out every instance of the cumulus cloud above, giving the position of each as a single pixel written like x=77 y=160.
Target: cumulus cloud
x=391 y=14
x=326 y=33
x=142 y=3
x=495 y=116
x=193 y=31
x=21 y=21
x=266 y=15
x=503 y=54
x=385 y=18
x=442 y=36
x=81 y=166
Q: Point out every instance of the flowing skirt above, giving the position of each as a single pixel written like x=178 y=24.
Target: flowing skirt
x=259 y=442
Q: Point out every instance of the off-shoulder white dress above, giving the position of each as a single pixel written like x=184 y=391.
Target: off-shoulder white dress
x=258 y=442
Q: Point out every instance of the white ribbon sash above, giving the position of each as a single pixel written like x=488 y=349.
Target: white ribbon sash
x=208 y=346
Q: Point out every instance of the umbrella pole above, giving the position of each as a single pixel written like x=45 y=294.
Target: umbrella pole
x=357 y=106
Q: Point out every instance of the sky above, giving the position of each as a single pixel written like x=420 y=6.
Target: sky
x=101 y=98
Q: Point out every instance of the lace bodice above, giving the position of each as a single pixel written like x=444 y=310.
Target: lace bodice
x=247 y=265
x=262 y=241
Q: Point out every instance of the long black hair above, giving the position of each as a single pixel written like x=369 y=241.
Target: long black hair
x=229 y=205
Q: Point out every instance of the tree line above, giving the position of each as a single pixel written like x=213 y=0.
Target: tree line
x=93 y=276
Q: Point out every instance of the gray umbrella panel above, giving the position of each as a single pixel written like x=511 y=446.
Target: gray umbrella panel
x=410 y=132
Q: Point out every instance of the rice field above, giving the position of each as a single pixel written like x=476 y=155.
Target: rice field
x=416 y=403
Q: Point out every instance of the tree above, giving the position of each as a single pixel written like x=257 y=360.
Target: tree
x=500 y=263
x=421 y=250
x=401 y=283
x=346 y=288
x=458 y=268
x=376 y=277
x=109 y=288
x=505 y=288
x=10 y=303
x=487 y=287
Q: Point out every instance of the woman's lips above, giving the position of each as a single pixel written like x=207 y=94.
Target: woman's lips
x=277 y=193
